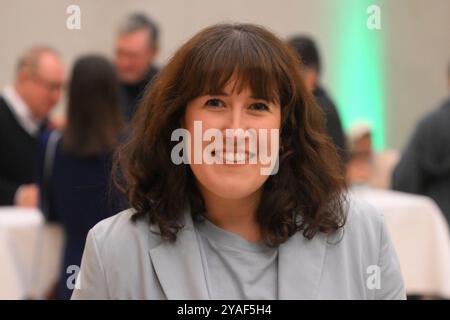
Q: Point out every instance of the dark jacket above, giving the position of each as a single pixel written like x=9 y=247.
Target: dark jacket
x=132 y=94
x=333 y=122
x=79 y=195
x=17 y=155
x=424 y=167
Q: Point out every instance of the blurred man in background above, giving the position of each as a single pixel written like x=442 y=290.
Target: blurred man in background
x=309 y=55
x=136 y=49
x=24 y=108
x=424 y=167
x=365 y=166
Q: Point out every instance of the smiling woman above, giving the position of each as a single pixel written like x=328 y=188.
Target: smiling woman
x=226 y=231
x=217 y=77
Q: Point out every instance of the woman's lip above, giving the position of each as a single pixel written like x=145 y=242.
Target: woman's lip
x=247 y=153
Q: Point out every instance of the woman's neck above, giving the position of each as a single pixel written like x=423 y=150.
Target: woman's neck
x=234 y=215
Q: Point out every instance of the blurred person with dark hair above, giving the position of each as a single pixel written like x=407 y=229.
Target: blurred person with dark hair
x=24 y=108
x=424 y=167
x=76 y=165
x=309 y=55
x=136 y=48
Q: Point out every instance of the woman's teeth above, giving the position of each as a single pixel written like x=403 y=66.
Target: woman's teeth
x=232 y=157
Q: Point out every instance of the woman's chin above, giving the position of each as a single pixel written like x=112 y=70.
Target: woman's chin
x=233 y=190
x=229 y=182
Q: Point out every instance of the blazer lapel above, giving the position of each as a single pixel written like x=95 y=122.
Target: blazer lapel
x=179 y=266
x=300 y=263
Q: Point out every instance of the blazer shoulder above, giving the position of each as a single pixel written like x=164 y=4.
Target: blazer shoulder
x=121 y=232
x=362 y=236
x=368 y=253
x=365 y=223
x=362 y=212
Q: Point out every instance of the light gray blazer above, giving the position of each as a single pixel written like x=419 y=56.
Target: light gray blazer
x=124 y=260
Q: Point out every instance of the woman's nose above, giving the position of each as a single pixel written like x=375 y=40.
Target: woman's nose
x=236 y=118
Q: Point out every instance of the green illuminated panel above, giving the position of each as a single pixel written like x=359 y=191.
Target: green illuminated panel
x=357 y=68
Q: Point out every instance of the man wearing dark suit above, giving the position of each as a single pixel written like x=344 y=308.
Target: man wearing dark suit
x=308 y=53
x=24 y=108
x=424 y=167
x=136 y=49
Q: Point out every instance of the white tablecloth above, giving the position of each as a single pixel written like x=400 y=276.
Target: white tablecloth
x=421 y=238
x=30 y=253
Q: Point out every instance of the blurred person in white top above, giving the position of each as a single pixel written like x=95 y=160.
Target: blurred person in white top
x=24 y=109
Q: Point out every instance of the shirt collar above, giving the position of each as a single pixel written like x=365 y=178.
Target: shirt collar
x=21 y=111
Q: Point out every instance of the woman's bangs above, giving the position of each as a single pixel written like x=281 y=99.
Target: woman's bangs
x=246 y=68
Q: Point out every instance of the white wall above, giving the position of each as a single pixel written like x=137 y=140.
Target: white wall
x=417 y=38
x=417 y=58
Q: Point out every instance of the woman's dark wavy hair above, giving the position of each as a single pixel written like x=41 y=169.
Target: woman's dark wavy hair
x=307 y=192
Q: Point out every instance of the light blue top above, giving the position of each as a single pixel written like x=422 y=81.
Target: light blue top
x=236 y=268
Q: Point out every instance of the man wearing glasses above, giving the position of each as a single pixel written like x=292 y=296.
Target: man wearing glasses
x=24 y=108
x=136 y=47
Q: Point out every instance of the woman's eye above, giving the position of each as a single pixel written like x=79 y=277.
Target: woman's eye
x=214 y=103
x=259 y=106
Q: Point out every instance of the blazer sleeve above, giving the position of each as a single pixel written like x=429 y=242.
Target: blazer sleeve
x=408 y=175
x=8 y=191
x=391 y=284
x=45 y=196
x=91 y=281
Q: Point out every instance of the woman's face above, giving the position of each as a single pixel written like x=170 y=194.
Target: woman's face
x=237 y=172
